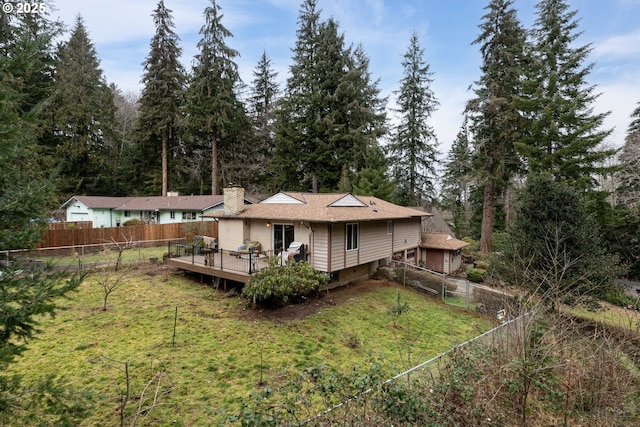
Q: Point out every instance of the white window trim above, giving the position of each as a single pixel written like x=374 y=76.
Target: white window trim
x=357 y=236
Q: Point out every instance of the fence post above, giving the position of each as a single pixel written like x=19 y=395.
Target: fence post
x=467 y=294
x=82 y=258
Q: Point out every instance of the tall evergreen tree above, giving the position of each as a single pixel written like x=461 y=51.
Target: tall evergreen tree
x=83 y=114
x=330 y=115
x=160 y=120
x=318 y=133
x=495 y=110
x=458 y=177
x=364 y=117
x=565 y=135
x=628 y=191
x=31 y=36
x=555 y=247
x=215 y=115
x=373 y=179
x=26 y=195
x=263 y=99
x=414 y=144
x=295 y=116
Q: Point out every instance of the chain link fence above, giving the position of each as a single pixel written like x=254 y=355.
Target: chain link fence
x=88 y=257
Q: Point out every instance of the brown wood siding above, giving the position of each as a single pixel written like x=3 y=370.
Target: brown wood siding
x=320 y=249
x=406 y=234
x=351 y=258
x=338 y=247
x=375 y=243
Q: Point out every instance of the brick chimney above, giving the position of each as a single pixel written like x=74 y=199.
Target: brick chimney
x=233 y=200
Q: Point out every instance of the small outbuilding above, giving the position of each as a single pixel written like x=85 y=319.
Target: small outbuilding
x=441 y=252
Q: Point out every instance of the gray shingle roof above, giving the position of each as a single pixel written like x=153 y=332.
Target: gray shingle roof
x=317 y=208
x=151 y=203
x=442 y=241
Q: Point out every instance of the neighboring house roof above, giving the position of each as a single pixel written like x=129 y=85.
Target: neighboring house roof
x=436 y=223
x=321 y=207
x=441 y=241
x=190 y=203
x=96 y=202
x=152 y=203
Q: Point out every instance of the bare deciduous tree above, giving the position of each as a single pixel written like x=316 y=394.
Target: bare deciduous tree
x=109 y=281
x=149 y=397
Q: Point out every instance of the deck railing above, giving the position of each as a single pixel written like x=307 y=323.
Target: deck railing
x=222 y=259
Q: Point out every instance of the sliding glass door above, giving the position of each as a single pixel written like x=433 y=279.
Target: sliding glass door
x=282 y=236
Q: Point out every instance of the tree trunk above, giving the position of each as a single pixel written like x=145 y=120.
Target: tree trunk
x=486 y=231
x=164 y=163
x=214 y=165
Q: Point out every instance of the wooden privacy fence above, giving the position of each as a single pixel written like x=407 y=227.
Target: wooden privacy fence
x=91 y=236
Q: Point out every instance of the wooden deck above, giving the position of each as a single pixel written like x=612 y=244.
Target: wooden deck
x=224 y=264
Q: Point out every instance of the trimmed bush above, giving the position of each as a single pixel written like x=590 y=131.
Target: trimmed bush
x=482 y=265
x=277 y=285
x=133 y=221
x=476 y=275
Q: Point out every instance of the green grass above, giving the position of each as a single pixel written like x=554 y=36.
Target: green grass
x=96 y=256
x=215 y=359
x=612 y=315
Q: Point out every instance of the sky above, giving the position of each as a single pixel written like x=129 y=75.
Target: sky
x=121 y=31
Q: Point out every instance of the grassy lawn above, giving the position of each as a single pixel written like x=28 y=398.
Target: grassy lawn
x=216 y=356
x=96 y=255
x=612 y=315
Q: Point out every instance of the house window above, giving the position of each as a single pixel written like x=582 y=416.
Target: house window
x=127 y=214
x=389 y=227
x=172 y=214
x=352 y=237
x=188 y=215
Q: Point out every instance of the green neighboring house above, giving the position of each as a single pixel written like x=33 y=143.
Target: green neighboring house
x=115 y=211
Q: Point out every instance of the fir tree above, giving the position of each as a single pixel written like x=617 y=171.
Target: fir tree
x=294 y=113
x=31 y=36
x=373 y=179
x=26 y=194
x=365 y=122
x=495 y=110
x=555 y=247
x=414 y=144
x=264 y=96
x=215 y=115
x=458 y=177
x=160 y=120
x=83 y=114
x=330 y=115
x=564 y=134
x=628 y=191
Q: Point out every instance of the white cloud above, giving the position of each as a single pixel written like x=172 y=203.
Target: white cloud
x=620 y=46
